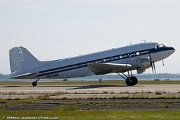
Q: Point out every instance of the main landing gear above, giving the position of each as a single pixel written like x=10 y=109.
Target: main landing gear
x=34 y=83
x=130 y=80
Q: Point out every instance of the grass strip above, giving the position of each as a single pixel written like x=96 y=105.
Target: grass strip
x=97 y=115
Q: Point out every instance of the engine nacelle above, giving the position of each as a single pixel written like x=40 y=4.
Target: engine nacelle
x=141 y=64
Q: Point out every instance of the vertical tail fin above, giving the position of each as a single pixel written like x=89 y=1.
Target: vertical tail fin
x=21 y=59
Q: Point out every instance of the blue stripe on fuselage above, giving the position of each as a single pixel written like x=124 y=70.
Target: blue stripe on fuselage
x=108 y=59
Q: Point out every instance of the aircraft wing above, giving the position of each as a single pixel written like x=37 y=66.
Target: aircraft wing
x=104 y=68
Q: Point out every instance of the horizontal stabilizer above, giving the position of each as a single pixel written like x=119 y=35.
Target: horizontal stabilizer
x=26 y=75
x=104 y=68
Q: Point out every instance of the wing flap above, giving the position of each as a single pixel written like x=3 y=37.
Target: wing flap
x=104 y=68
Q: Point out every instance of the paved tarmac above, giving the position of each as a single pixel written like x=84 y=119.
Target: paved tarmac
x=168 y=88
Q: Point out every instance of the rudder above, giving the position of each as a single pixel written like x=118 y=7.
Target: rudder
x=21 y=59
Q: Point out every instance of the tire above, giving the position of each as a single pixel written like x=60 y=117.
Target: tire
x=34 y=83
x=134 y=79
x=129 y=82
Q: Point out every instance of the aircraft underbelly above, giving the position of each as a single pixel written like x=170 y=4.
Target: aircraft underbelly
x=80 y=72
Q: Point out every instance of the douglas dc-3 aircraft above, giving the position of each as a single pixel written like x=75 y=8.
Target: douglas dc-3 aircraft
x=120 y=60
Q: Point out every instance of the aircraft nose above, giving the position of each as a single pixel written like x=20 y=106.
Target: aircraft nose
x=171 y=50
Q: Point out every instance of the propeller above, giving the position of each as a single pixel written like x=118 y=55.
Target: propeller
x=152 y=65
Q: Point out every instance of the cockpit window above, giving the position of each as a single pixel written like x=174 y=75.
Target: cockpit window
x=156 y=47
x=159 y=46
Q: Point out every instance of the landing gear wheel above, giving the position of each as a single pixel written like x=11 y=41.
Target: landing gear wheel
x=130 y=81
x=134 y=79
x=34 y=83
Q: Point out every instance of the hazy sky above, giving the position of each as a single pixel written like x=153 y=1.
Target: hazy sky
x=54 y=29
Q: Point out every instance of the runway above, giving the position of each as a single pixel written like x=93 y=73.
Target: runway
x=90 y=91
x=168 y=88
x=93 y=97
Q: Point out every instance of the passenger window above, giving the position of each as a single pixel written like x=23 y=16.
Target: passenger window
x=137 y=53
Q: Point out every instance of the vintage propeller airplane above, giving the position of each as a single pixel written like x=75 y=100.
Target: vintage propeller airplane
x=137 y=57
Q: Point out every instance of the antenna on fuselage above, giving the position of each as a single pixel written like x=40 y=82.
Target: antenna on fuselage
x=144 y=41
x=130 y=43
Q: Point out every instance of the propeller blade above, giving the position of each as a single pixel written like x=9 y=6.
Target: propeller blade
x=154 y=67
x=163 y=62
x=151 y=63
